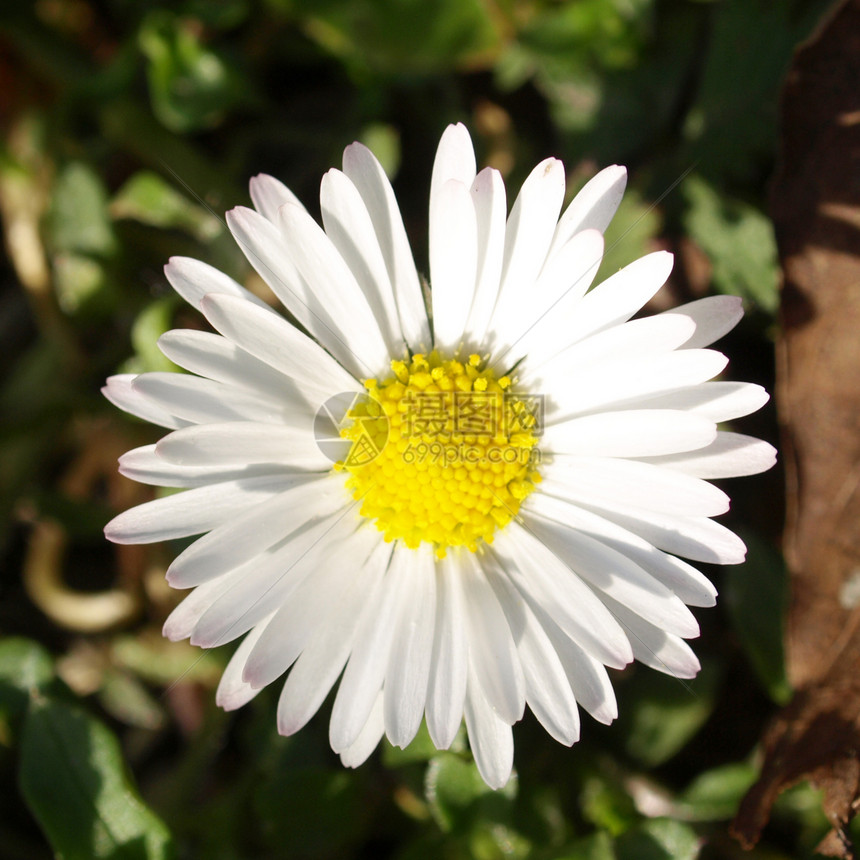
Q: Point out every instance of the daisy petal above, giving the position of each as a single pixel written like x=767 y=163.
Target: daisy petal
x=546 y=582
x=355 y=338
x=298 y=619
x=449 y=666
x=608 y=434
x=490 y=736
x=275 y=342
x=238 y=443
x=360 y=165
x=144 y=465
x=348 y=225
x=714 y=317
x=220 y=359
x=657 y=648
x=119 y=390
x=269 y=194
x=547 y=690
x=303 y=499
x=453 y=261
x=593 y=206
x=193 y=280
x=492 y=653
x=316 y=671
x=191 y=512
x=408 y=671
x=604 y=480
x=365 y=671
x=614 y=574
x=232 y=691
x=716 y=401
x=368 y=738
x=488 y=198
x=730 y=455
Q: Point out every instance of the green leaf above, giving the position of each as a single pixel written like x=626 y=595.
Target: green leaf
x=73 y=778
x=148 y=198
x=598 y=846
x=25 y=668
x=665 y=712
x=715 y=794
x=190 y=85
x=762 y=581
x=400 y=36
x=316 y=811
x=658 y=839
x=78 y=220
x=151 y=323
x=458 y=795
x=606 y=803
x=738 y=239
x=629 y=235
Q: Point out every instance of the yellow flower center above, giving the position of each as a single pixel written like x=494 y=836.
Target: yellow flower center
x=442 y=451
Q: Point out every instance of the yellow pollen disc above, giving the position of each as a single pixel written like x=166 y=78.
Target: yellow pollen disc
x=442 y=452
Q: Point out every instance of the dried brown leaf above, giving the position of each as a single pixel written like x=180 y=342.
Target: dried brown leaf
x=816 y=211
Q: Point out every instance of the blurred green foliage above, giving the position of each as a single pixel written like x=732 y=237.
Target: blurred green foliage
x=129 y=126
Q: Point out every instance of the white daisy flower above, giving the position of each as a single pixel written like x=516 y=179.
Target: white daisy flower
x=523 y=466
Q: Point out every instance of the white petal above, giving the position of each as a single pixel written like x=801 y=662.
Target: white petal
x=324 y=656
x=624 y=383
x=307 y=609
x=269 y=194
x=455 y=159
x=408 y=671
x=144 y=465
x=657 y=648
x=687 y=582
x=527 y=240
x=453 y=261
x=370 y=656
x=631 y=433
x=615 y=575
x=368 y=738
x=191 y=512
x=272 y=340
x=716 y=401
x=607 y=481
x=449 y=667
x=232 y=691
x=488 y=198
x=250 y=533
x=696 y=538
x=199 y=400
x=593 y=207
x=218 y=358
x=560 y=287
x=547 y=690
x=490 y=737
x=179 y=624
x=546 y=582
x=587 y=677
x=360 y=165
x=118 y=389
x=714 y=316
x=348 y=225
x=730 y=455
x=492 y=653
x=263 y=244
x=261 y=585
x=629 y=342
x=354 y=336
x=619 y=297
x=193 y=280
x=237 y=443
